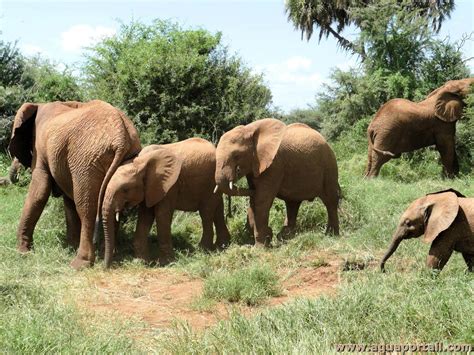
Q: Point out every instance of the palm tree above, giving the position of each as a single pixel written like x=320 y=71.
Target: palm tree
x=333 y=16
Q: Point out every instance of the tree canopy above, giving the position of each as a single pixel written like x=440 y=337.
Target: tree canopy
x=175 y=83
x=331 y=17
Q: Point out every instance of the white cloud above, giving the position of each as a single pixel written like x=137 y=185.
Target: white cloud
x=79 y=36
x=293 y=81
x=31 y=49
x=293 y=71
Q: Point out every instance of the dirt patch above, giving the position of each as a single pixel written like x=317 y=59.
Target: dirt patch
x=162 y=297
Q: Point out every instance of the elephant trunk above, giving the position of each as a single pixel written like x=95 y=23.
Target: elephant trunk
x=13 y=171
x=391 y=249
x=109 y=229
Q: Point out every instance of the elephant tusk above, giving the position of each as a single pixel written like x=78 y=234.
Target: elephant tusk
x=216 y=188
x=231 y=185
x=117 y=216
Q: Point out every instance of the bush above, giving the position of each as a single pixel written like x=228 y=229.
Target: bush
x=175 y=83
x=29 y=79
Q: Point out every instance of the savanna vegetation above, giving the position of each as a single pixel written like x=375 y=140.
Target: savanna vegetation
x=45 y=305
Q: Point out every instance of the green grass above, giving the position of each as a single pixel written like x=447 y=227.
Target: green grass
x=250 y=285
x=408 y=304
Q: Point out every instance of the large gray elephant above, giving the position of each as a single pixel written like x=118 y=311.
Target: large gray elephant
x=446 y=218
x=294 y=163
x=403 y=126
x=73 y=149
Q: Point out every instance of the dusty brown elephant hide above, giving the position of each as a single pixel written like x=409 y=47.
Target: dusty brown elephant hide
x=73 y=150
x=403 y=126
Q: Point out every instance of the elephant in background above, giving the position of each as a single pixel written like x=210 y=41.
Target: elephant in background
x=162 y=179
x=293 y=163
x=402 y=126
x=73 y=149
x=446 y=218
x=12 y=176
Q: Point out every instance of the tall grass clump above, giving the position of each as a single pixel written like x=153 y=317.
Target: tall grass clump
x=250 y=285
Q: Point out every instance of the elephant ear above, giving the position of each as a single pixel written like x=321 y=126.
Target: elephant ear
x=267 y=136
x=449 y=104
x=440 y=212
x=162 y=168
x=21 y=143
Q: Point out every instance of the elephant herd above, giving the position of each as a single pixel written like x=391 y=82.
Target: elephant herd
x=90 y=154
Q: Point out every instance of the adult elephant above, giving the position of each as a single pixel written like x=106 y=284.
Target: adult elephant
x=294 y=163
x=402 y=126
x=73 y=149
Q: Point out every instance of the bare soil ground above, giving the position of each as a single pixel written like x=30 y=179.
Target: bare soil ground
x=162 y=297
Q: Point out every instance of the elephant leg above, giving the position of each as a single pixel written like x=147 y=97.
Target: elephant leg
x=378 y=159
x=331 y=201
x=446 y=147
x=207 y=218
x=368 y=168
x=144 y=224
x=289 y=226
x=164 y=217
x=73 y=223
x=261 y=210
x=440 y=251
x=250 y=224
x=223 y=235
x=38 y=194
x=469 y=259
x=86 y=190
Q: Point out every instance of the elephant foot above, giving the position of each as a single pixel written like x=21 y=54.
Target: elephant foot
x=207 y=246
x=143 y=255
x=219 y=246
x=332 y=230
x=79 y=264
x=262 y=244
x=166 y=260
x=165 y=257
x=285 y=233
x=24 y=247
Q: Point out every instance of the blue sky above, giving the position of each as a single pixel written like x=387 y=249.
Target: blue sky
x=256 y=30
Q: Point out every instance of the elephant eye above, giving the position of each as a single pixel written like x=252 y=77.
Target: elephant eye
x=408 y=222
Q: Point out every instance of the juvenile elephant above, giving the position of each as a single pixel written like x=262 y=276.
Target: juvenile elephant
x=178 y=176
x=402 y=126
x=446 y=218
x=73 y=149
x=293 y=163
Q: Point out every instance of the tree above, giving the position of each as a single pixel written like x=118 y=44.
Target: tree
x=331 y=17
x=175 y=83
x=29 y=79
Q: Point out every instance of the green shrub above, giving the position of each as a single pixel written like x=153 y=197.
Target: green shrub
x=175 y=83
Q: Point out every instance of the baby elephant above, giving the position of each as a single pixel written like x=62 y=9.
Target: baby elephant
x=446 y=218
x=178 y=176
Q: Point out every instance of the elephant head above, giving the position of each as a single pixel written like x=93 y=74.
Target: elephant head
x=147 y=178
x=247 y=150
x=429 y=215
x=449 y=98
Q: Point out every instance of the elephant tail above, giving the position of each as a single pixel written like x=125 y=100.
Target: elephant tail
x=371 y=139
x=384 y=152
